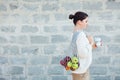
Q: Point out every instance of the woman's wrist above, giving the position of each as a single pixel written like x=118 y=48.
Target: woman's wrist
x=91 y=43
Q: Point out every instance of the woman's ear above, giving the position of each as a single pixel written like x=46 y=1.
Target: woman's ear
x=79 y=22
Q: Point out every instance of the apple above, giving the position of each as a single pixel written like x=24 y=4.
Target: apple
x=74 y=60
x=69 y=64
x=75 y=66
x=67 y=58
x=63 y=63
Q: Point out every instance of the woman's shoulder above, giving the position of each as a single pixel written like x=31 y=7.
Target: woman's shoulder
x=76 y=35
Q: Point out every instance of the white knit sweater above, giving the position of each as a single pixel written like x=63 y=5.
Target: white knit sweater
x=83 y=50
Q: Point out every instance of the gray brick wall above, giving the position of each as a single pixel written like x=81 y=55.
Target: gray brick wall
x=35 y=35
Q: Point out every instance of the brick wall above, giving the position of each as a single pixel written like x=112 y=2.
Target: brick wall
x=35 y=34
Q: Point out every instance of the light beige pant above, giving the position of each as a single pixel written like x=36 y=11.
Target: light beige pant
x=84 y=76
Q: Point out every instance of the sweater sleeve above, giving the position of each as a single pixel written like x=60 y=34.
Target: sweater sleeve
x=83 y=46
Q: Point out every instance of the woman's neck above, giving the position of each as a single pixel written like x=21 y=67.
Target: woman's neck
x=77 y=28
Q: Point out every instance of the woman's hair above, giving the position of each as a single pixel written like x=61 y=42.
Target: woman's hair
x=78 y=16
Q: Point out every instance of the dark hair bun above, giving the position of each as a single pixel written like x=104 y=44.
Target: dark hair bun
x=71 y=16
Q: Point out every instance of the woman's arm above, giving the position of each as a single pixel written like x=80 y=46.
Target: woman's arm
x=91 y=41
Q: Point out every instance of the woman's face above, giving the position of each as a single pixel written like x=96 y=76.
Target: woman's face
x=84 y=23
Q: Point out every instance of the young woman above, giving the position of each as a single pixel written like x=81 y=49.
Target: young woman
x=82 y=45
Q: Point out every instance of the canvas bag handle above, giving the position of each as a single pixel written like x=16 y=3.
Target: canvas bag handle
x=73 y=45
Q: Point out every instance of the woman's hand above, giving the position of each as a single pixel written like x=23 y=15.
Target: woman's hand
x=91 y=41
